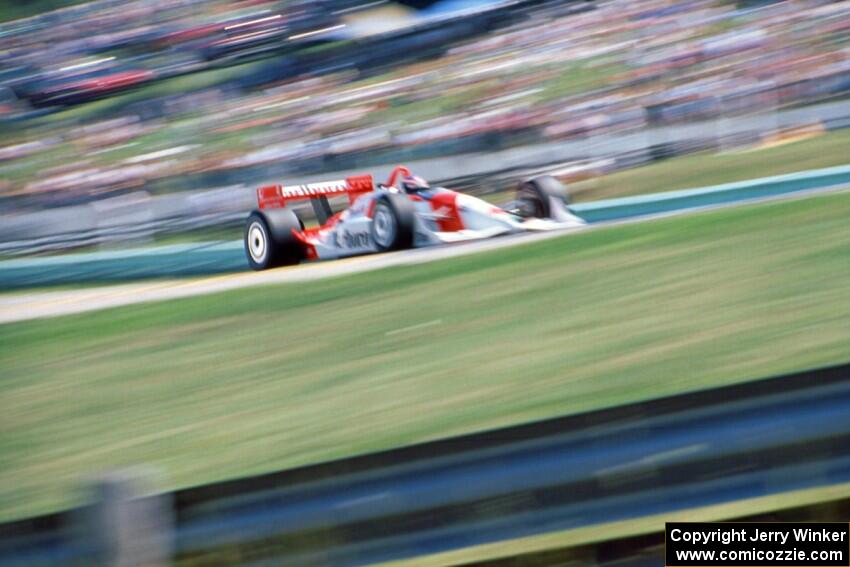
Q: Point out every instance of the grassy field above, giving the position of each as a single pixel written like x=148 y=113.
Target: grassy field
x=264 y=378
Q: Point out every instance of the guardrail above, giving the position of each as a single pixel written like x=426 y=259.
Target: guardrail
x=121 y=233
x=217 y=257
x=742 y=441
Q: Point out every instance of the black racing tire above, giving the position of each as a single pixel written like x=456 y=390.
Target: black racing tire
x=269 y=241
x=536 y=193
x=393 y=222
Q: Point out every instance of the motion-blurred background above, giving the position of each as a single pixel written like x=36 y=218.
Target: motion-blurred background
x=284 y=422
x=122 y=103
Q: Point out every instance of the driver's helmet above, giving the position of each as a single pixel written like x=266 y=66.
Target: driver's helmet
x=413 y=184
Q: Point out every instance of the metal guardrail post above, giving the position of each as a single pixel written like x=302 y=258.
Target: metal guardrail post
x=126 y=525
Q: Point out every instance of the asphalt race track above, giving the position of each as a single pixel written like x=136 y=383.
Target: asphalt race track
x=32 y=305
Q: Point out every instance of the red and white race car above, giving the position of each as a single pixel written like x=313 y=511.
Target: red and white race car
x=405 y=212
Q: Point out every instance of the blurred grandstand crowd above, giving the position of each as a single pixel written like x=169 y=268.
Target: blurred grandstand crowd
x=180 y=94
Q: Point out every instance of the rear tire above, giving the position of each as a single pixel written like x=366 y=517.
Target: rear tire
x=269 y=241
x=537 y=192
x=393 y=222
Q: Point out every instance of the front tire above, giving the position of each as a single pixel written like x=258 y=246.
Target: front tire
x=269 y=241
x=393 y=222
x=537 y=196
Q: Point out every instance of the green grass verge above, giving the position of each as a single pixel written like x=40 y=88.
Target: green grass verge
x=264 y=378
x=701 y=170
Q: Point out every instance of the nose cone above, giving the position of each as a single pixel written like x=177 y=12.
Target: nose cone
x=480 y=215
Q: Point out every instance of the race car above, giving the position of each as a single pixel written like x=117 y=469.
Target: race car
x=405 y=212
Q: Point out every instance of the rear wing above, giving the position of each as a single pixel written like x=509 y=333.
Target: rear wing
x=276 y=196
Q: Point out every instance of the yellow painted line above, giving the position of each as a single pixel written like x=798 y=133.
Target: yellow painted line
x=627 y=528
x=789 y=140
